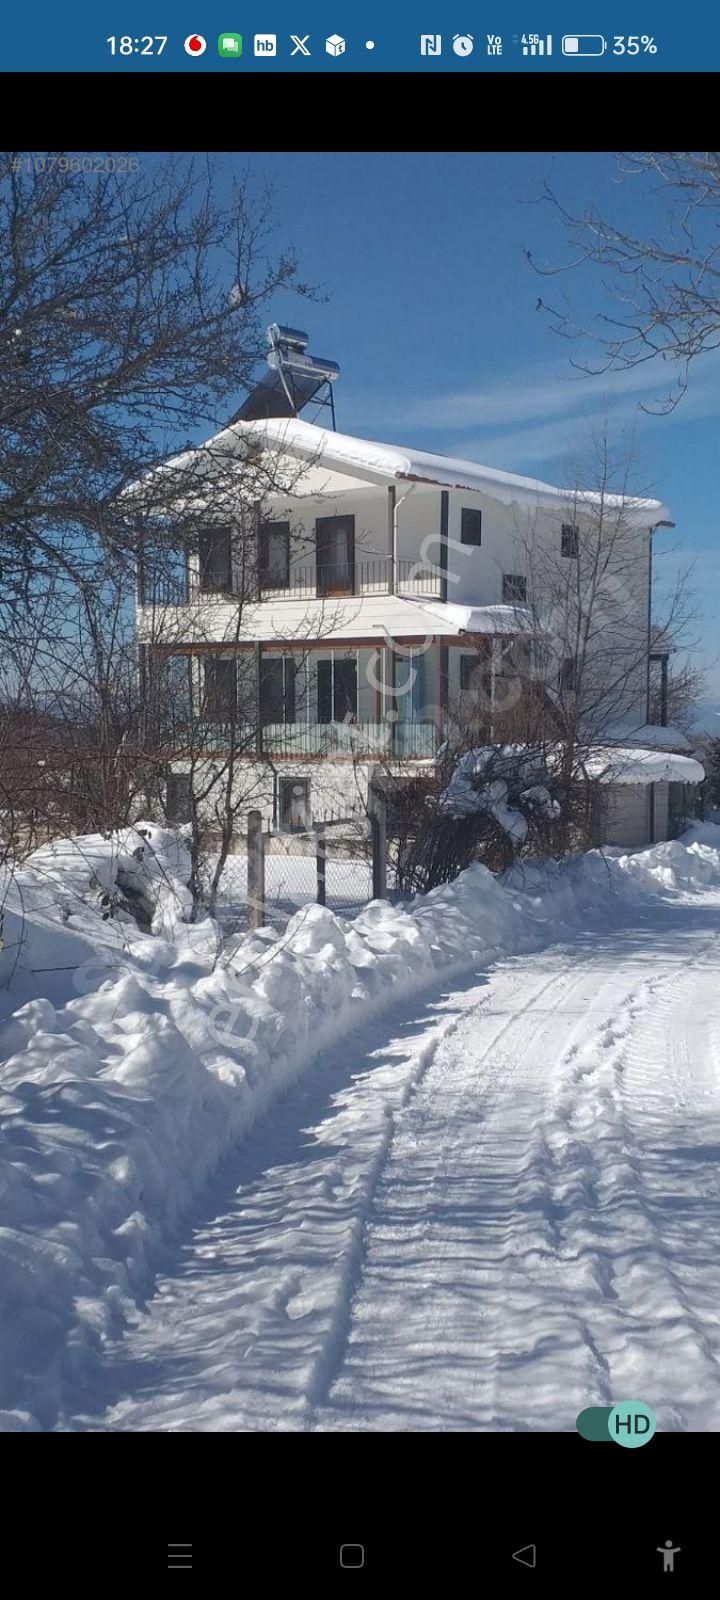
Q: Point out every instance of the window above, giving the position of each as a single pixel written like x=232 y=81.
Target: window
x=468 y=665
x=337 y=689
x=514 y=588
x=178 y=795
x=277 y=689
x=294 y=804
x=215 y=551
x=567 y=673
x=470 y=526
x=569 y=539
x=410 y=685
x=274 y=555
x=220 y=675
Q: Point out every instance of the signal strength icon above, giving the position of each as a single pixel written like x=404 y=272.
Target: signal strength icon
x=534 y=45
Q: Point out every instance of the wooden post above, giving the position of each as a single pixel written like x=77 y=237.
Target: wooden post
x=255 y=870
x=321 y=861
x=378 y=830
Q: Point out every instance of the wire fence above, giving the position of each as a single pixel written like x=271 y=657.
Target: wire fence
x=272 y=879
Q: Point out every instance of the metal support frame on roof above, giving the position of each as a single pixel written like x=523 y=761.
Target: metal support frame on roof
x=292 y=381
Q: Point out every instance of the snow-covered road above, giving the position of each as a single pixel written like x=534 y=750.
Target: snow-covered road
x=485 y=1211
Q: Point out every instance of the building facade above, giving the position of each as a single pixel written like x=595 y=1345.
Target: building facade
x=367 y=600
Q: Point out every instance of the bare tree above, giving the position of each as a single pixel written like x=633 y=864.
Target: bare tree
x=129 y=316
x=665 y=280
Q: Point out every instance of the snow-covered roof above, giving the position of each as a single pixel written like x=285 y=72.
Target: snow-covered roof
x=395 y=616
x=631 y=765
x=478 y=619
x=376 y=463
x=651 y=735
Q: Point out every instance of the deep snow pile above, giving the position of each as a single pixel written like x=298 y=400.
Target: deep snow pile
x=117 y=1104
x=75 y=898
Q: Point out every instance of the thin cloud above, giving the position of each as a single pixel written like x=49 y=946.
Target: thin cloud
x=533 y=406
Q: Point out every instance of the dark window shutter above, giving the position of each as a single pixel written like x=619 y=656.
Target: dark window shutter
x=289 y=705
x=271 y=689
x=220 y=689
x=324 y=691
x=345 y=690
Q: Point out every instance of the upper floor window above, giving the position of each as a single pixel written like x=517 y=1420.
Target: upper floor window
x=470 y=526
x=215 y=553
x=220 y=686
x=274 y=555
x=337 y=689
x=514 y=588
x=569 y=539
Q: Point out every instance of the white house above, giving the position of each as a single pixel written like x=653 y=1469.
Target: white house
x=390 y=588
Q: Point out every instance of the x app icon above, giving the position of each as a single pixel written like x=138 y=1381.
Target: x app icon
x=300 y=45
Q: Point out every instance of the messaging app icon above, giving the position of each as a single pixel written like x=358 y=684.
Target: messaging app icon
x=230 y=44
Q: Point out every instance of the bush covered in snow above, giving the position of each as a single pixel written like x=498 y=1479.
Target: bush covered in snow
x=484 y=804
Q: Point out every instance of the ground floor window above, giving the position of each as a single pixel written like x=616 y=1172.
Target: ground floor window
x=294 y=803
x=178 y=797
x=410 y=685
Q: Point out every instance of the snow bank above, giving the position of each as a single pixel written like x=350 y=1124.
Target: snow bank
x=117 y=1104
x=75 y=898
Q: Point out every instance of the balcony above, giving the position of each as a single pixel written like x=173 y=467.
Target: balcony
x=393 y=742
x=307 y=583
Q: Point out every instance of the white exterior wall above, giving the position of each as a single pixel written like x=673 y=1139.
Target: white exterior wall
x=338 y=789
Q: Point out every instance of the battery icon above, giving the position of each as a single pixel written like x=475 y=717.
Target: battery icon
x=583 y=44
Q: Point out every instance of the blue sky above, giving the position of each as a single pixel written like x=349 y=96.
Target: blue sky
x=431 y=312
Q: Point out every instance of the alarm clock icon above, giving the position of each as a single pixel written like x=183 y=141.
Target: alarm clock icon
x=463 y=44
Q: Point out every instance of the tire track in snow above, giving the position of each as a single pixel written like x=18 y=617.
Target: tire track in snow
x=622 y=1073
x=329 y=1359
x=465 y=1357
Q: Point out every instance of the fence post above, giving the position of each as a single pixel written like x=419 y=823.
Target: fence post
x=321 y=858
x=378 y=832
x=255 y=870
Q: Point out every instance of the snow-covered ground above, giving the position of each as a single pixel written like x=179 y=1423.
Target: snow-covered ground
x=448 y=1166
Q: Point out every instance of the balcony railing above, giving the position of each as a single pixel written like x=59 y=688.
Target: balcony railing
x=305 y=583
x=403 y=740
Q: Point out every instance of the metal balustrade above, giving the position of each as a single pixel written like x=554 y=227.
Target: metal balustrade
x=305 y=582
x=402 y=740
